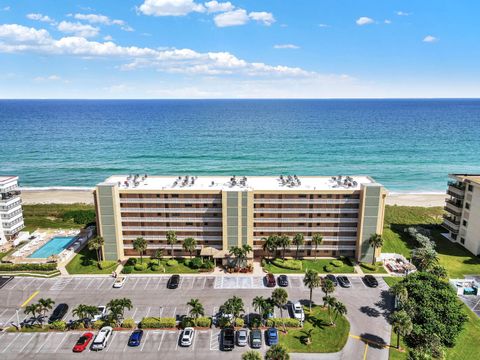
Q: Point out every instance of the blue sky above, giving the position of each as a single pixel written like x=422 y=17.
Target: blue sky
x=239 y=49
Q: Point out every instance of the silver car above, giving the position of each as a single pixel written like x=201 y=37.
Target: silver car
x=242 y=337
x=187 y=336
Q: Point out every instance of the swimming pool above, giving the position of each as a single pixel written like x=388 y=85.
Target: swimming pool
x=53 y=247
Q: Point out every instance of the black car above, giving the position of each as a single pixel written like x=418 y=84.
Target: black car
x=282 y=281
x=255 y=339
x=59 y=312
x=173 y=282
x=370 y=281
x=332 y=278
x=344 y=282
x=228 y=339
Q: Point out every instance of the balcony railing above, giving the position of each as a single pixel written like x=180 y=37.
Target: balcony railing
x=170 y=201
x=179 y=237
x=172 y=210
x=173 y=219
x=453 y=210
x=306 y=211
x=306 y=201
x=456 y=194
x=280 y=230
x=174 y=228
x=325 y=238
x=287 y=220
x=456 y=203
x=457 y=185
x=451 y=219
x=450 y=226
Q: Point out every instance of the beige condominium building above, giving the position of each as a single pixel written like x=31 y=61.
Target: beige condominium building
x=221 y=212
x=11 y=215
x=462 y=217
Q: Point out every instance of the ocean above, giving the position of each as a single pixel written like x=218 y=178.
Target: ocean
x=408 y=145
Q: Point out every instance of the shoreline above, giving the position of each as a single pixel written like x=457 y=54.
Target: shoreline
x=83 y=195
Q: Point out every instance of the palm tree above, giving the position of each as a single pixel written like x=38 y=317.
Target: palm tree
x=327 y=287
x=246 y=249
x=236 y=252
x=283 y=241
x=402 y=324
x=158 y=254
x=375 y=241
x=43 y=306
x=189 y=244
x=329 y=301
x=279 y=298
x=117 y=308
x=96 y=244
x=171 y=239
x=196 y=308
x=33 y=309
x=311 y=280
x=400 y=292
x=277 y=352
x=340 y=309
x=298 y=240
x=140 y=245
x=317 y=239
x=270 y=244
x=81 y=311
x=251 y=355
x=233 y=306
x=259 y=303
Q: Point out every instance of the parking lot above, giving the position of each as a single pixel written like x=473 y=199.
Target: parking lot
x=150 y=297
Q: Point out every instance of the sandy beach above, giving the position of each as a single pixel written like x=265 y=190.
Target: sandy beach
x=84 y=196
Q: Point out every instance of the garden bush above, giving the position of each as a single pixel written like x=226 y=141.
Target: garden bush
x=172 y=262
x=369 y=266
x=328 y=268
x=288 y=264
x=58 y=325
x=263 y=263
x=157 y=323
x=28 y=267
x=131 y=262
x=203 y=322
x=255 y=321
x=277 y=322
x=77 y=325
x=127 y=270
x=196 y=263
x=129 y=323
x=239 y=322
x=336 y=263
x=208 y=265
x=187 y=322
x=99 y=324
x=107 y=264
x=79 y=216
x=157 y=268
x=140 y=266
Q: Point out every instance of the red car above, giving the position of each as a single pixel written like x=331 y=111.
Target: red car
x=271 y=280
x=83 y=342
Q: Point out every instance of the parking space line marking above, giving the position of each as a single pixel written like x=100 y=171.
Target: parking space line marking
x=178 y=340
x=148 y=311
x=99 y=286
x=28 y=342
x=181 y=282
x=16 y=283
x=11 y=342
x=43 y=282
x=109 y=345
x=161 y=340
x=44 y=342
x=193 y=282
x=146 y=285
x=174 y=312
x=146 y=337
x=3 y=312
x=133 y=316
x=79 y=283
x=90 y=283
x=134 y=285
x=204 y=282
x=161 y=312
x=30 y=283
x=125 y=347
x=194 y=340
x=61 y=342
x=29 y=299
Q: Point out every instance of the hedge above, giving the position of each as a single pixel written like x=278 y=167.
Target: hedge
x=277 y=322
x=369 y=266
x=328 y=268
x=203 y=322
x=107 y=264
x=157 y=323
x=141 y=267
x=239 y=322
x=27 y=267
x=172 y=262
x=288 y=264
x=127 y=270
x=99 y=324
x=58 y=325
x=336 y=263
x=129 y=324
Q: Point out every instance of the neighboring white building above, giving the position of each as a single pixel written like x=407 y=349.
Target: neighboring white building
x=462 y=219
x=11 y=215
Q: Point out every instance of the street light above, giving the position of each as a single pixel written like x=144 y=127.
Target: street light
x=18 y=319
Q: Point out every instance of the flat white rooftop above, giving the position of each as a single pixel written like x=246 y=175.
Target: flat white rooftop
x=239 y=182
x=7 y=178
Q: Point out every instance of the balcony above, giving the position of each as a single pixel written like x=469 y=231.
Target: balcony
x=171 y=210
x=306 y=211
x=457 y=185
x=170 y=201
x=173 y=219
x=450 y=226
x=307 y=201
x=296 y=229
x=325 y=238
x=174 y=228
x=456 y=191
x=292 y=220
x=453 y=210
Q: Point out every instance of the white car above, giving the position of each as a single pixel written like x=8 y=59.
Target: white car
x=242 y=337
x=187 y=336
x=101 y=340
x=119 y=282
x=298 y=311
x=102 y=312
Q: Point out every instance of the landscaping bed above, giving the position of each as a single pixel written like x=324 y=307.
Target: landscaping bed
x=165 y=266
x=85 y=262
x=336 y=266
x=378 y=268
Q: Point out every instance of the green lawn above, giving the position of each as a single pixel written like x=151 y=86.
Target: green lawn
x=3 y=254
x=317 y=265
x=325 y=338
x=379 y=269
x=55 y=216
x=180 y=268
x=392 y=280
x=85 y=262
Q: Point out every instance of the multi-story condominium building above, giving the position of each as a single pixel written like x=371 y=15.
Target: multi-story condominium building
x=462 y=218
x=11 y=216
x=221 y=212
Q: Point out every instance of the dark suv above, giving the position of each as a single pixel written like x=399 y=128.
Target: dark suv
x=173 y=282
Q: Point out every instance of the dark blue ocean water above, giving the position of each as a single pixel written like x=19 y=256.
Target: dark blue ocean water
x=408 y=145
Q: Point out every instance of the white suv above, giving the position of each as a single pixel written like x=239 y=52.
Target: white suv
x=187 y=336
x=101 y=340
x=298 y=311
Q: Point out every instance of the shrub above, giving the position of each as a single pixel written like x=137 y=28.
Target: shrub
x=288 y=264
x=131 y=262
x=255 y=321
x=196 y=263
x=336 y=263
x=78 y=325
x=127 y=270
x=106 y=264
x=27 y=267
x=328 y=268
x=187 y=322
x=58 y=325
x=157 y=323
x=158 y=268
x=277 y=322
x=204 y=322
x=140 y=267
x=99 y=324
x=187 y=262
x=153 y=262
x=79 y=216
x=263 y=263
x=172 y=262
x=129 y=324
x=208 y=265
x=369 y=266
x=239 y=322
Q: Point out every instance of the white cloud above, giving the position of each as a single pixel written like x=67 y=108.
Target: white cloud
x=6 y=8
x=48 y=78
x=403 y=13
x=262 y=16
x=40 y=17
x=24 y=35
x=323 y=25
x=231 y=18
x=108 y=38
x=430 y=39
x=78 y=29
x=103 y=20
x=388 y=21
x=364 y=21
x=170 y=7
x=286 y=46
x=215 y=6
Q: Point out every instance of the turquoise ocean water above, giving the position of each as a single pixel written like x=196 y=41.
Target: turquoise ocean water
x=408 y=145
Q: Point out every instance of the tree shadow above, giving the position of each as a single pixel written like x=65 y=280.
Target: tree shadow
x=316 y=322
x=374 y=341
x=386 y=303
x=370 y=311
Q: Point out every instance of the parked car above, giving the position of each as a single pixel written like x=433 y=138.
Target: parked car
x=370 y=281
x=242 y=337
x=228 y=339
x=332 y=278
x=102 y=312
x=272 y=336
x=283 y=281
x=135 y=338
x=173 y=282
x=59 y=313
x=298 y=312
x=255 y=339
x=270 y=280
x=101 y=340
x=119 y=282
x=82 y=342
x=187 y=336
x=344 y=282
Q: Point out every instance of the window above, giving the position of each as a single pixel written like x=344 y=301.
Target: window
x=470 y=188
x=465 y=223
x=467 y=206
x=462 y=240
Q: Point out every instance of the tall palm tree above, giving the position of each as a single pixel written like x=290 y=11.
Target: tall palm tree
x=279 y=298
x=233 y=306
x=340 y=309
x=189 y=244
x=251 y=355
x=196 y=308
x=81 y=311
x=283 y=241
x=117 y=308
x=401 y=324
x=246 y=249
x=317 y=239
x=259 y=303
x=270 y=244
x=400 y=292
x=298 y=240
x=158 y=254
x=277 y=352
x=375 y=241
x=96 y=244
x=329 y=302
x=33 y=309
x=140 y=245
x=311 y=280
x=44 y=306
x=236 y=252
x=327 y=287
x=171 y=239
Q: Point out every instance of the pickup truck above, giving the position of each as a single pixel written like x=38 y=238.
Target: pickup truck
x=228 y=339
